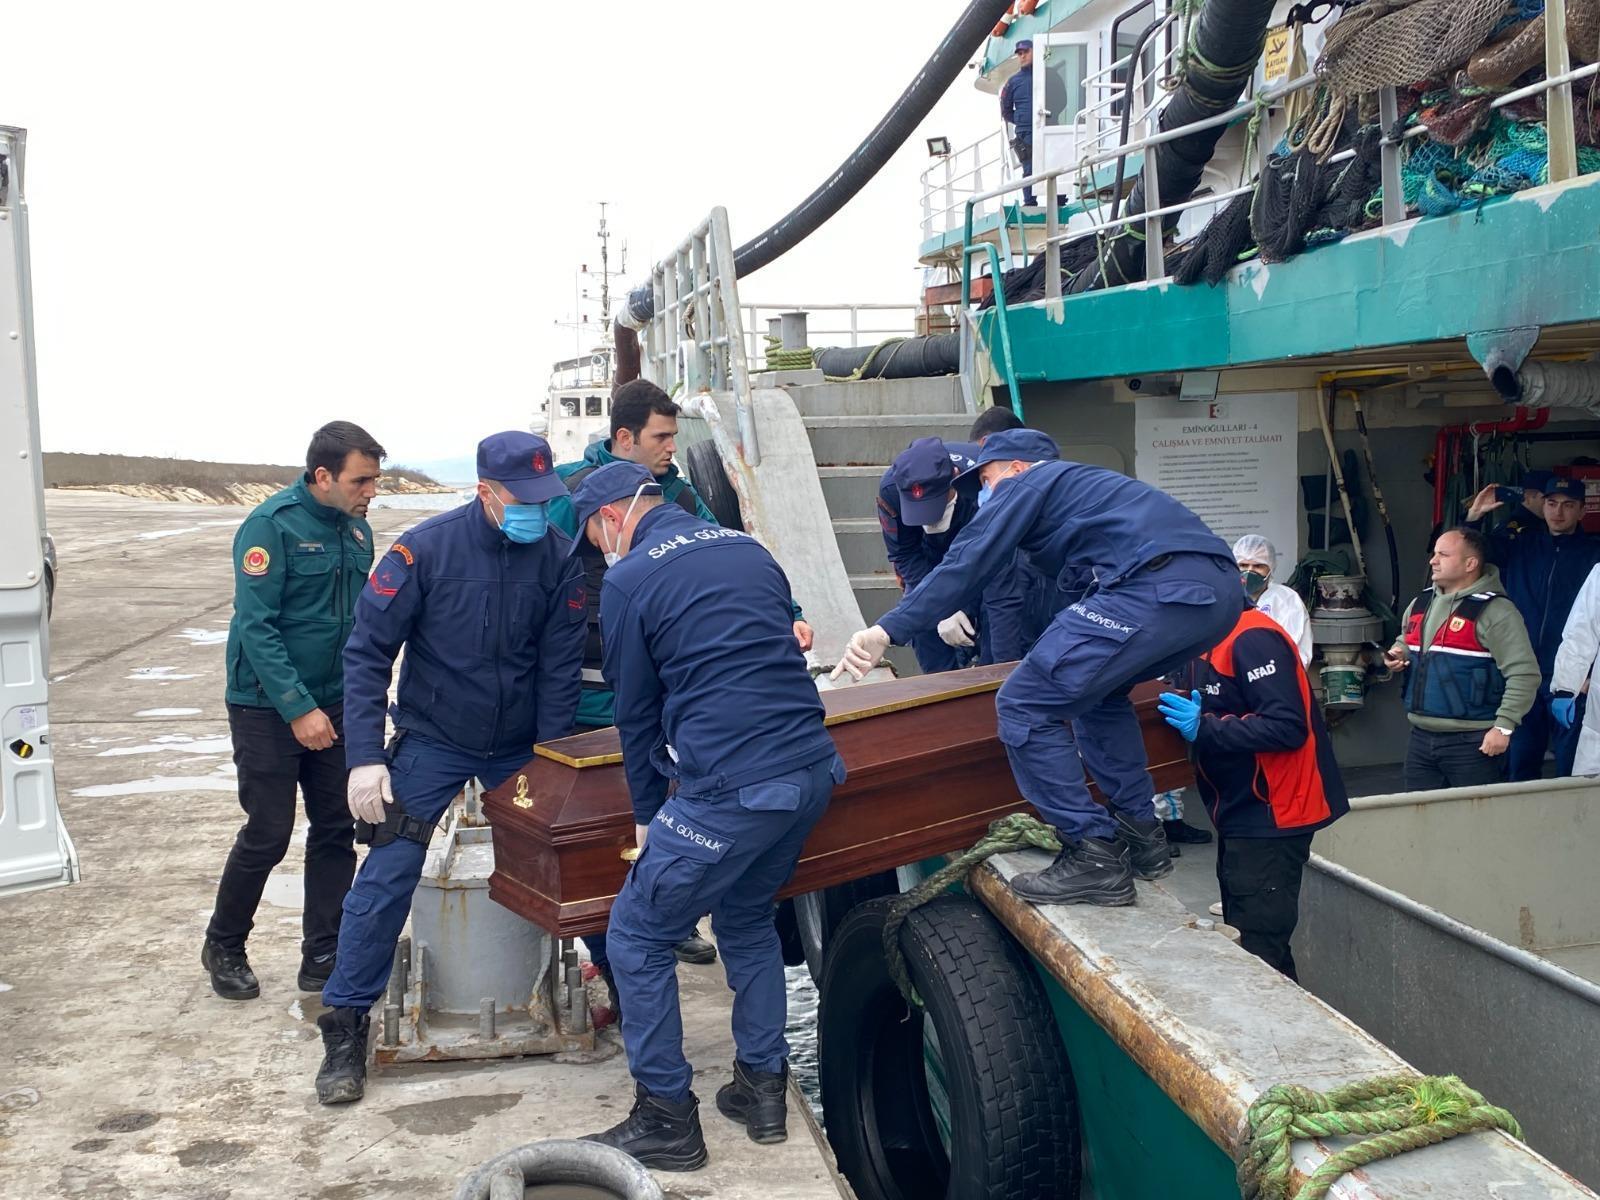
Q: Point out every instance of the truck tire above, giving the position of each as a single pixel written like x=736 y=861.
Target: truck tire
x=984 y=1108
x=704 y=467
x=818 y=914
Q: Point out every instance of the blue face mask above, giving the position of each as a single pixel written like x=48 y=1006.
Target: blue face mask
x=524 y=523
x=985 y=494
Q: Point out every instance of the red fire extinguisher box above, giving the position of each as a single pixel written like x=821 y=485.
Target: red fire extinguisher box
x=1591 y=494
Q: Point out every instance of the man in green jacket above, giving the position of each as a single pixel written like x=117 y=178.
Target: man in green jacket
x=1472 y=671
x=644 y=430
x=300 y=560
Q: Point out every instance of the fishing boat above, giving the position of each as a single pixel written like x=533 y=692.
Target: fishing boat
x=1321 y=272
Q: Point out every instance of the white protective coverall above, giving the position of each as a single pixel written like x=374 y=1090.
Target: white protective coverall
x=1576 y=665
x=1282 y=604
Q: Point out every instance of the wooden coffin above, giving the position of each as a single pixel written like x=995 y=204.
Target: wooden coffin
x=927 y=775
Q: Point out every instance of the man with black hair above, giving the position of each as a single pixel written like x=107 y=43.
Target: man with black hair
x=644 y=430
x=993 y=420
x=300 y=560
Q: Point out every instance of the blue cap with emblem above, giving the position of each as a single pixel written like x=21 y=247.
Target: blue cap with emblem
x=1024 y=44
x=1536 y=481
x=1572 y=489
x=923 y=473
x=620 y=480
x=1017 y=445
x=522 y=464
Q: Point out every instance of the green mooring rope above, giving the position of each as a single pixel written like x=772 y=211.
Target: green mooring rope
x=1398 y=1112
x=779 y=359
x=1016 y=832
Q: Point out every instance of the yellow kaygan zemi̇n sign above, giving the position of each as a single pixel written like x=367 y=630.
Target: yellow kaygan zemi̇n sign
x=1275 y=58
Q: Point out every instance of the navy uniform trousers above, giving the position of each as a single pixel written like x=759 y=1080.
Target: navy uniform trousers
x=425 y=775
x=726 y=854
x=1069 y=697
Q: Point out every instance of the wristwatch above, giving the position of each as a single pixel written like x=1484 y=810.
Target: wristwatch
x=1507 y=732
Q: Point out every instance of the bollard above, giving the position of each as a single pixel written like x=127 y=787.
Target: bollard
x=486 y=1017
x=793 y=325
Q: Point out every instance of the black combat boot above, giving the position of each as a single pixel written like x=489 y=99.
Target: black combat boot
x=695 y=949
x=659 y=1133
x=1091 y=872
x=343 y=1075
x=1182 y=831
x=1148 y=852
x=231 y=976
x=315 y=971
x=758 y=1101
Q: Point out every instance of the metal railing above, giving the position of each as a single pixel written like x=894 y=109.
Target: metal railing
x=829 y=325
x=960 y=174
x=1561 y=143
x=694 y=342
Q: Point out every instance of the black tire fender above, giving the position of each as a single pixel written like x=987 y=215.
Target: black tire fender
x=704 y=467
x=818 y=914
x=1006 y=1083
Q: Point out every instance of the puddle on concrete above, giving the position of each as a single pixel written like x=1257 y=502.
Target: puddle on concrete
x=453 y=1114
x=203 y=637
x=181 y=743
x=213 y=1153
x=167 y=712
x=285 y=891
x=151 y=535
x=222 y=780
x=159 y=674
x=128 y=1122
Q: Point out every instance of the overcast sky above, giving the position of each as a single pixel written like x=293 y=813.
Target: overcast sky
x=250 y=219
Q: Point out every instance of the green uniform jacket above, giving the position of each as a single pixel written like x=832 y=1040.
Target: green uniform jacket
x=1503 y=634
x=298 y=567
x=596 y=702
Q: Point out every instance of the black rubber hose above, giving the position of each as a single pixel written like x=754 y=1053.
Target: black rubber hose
x=1228 y=37
x=965 y=38
x=913 y=358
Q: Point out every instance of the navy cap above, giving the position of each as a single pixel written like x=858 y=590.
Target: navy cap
x=522 y=464
x=1536 y=481
x=1573 y=489
x=618 y=480
x=1020 y=445
x=1024 y=44
x=924 y=473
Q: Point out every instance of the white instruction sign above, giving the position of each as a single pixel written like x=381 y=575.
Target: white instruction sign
x=1232 y=460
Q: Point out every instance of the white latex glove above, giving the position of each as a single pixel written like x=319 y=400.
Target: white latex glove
x=956 y=629
x=863 y=652
x=639 y=834
x=368 y=791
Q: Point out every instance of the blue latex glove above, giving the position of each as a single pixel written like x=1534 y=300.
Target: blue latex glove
x=1564 y=709
x=1182 y=713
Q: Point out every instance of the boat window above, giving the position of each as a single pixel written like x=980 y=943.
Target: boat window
x=1064 y=69
x=591 y=406
x=569 y=406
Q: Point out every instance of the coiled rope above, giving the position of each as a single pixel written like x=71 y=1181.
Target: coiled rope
x=1019 y=831
x=805 y=358
x=1397 y=1112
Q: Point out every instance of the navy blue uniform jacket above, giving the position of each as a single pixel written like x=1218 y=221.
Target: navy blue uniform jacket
x=1074 y=521
x=1015 y=607
x=700 y=651
x=1542 y=574
x=1016 y=102
x=493 y=631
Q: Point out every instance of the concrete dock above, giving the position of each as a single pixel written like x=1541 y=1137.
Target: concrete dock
x=121 y=1074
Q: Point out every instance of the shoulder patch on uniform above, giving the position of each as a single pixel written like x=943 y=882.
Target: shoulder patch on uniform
x=255 y=561
x=386 y=582
x=405 y=552
x=358 y=535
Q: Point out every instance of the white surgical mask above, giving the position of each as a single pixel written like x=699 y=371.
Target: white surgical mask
x=943 y=523
x=614 y=556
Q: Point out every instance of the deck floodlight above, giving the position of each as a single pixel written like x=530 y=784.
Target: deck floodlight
x=938 y=147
